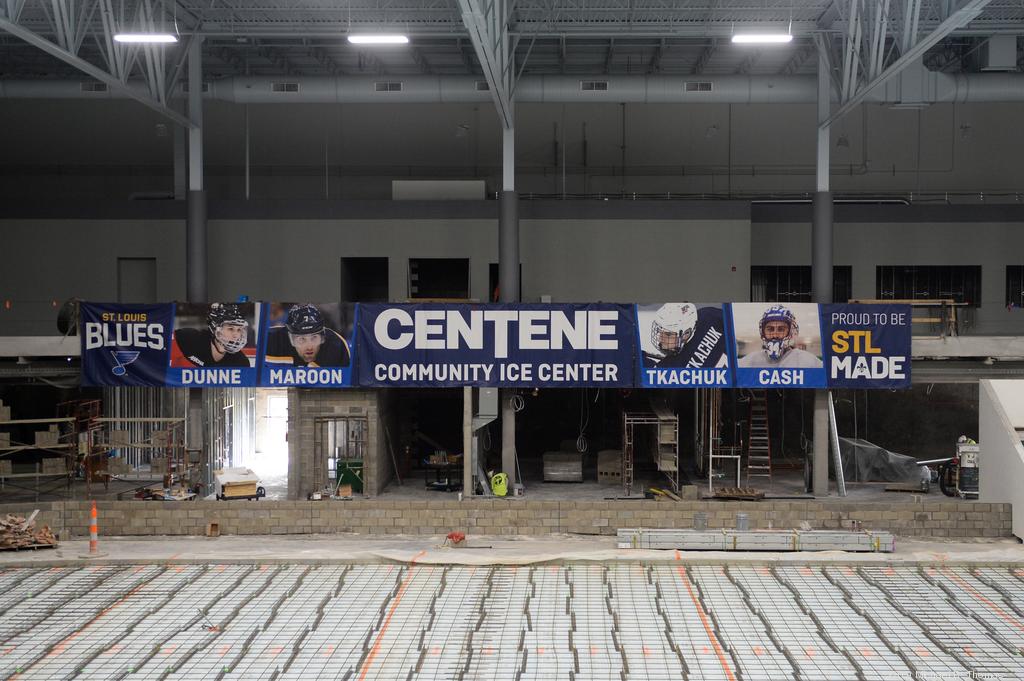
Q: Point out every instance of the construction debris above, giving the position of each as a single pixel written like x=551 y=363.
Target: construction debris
x=661 y=494
x=739 y=493
x=16 y=533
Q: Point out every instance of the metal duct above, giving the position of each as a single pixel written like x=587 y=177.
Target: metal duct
x=913 y=87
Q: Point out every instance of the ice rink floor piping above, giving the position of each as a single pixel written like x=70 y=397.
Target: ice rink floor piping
x=616 y=620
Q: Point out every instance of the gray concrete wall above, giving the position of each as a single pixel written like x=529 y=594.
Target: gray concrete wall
x=53 y=260
x=942 y=519
x=573 y=260
x=114 y=148
x=620 y=251
x=866 y=245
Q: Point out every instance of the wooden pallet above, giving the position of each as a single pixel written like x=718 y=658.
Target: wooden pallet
x=24 y=547
x=739 y=494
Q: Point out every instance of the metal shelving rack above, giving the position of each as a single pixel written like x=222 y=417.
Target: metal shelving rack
x=173 y=449
x=666 y=456
x=65 y=447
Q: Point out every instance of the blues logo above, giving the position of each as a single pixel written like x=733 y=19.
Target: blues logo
x=123 y=358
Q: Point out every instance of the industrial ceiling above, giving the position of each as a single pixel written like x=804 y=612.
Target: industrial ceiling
x=573 y=37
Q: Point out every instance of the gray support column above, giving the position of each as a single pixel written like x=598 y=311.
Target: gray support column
x=195 y=226
x=468 y=460
x=180 y=150
x=820 y=478
x=821 y=262
x=508 y=283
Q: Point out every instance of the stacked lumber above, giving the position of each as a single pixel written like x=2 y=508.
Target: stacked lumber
x=739 y=493
x=17 y=532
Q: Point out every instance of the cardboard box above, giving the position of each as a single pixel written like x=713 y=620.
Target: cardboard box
x=120 y=438
x=160 y=438
x=234 y=483
x=563 y=467
x=54 y=466
x=117 y=466
x=6 y=467
x=5 y=439
x=45 y=438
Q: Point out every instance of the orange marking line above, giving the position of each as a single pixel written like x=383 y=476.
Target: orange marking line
x=989 y=604
x=59 y=648
x=707 y=626
x=387 y=620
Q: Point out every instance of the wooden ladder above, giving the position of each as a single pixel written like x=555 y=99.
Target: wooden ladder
x=759 y=452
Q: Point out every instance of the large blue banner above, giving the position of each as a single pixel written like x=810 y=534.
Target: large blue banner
x=125 y=345
x=867 y=346
x=661 y=345
x=521 y=345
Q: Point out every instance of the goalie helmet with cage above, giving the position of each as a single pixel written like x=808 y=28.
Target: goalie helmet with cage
x=673 y=326
x=776 y=347
x=228 y=314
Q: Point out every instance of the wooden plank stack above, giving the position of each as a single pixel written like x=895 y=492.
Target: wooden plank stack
x=739 y=493
x=17 y=532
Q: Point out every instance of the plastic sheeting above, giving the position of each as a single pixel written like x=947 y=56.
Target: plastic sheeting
x=865 y=461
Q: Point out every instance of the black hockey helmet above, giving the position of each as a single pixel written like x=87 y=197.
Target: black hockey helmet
x=304 y=319
x=225 y=313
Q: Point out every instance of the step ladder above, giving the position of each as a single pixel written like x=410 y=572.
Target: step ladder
x=759 y=452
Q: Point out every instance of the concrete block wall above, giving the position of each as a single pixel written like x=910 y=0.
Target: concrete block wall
x=304 y=407
x=942 y=519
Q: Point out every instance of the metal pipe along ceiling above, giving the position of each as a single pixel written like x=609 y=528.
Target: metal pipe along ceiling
x=914 y=86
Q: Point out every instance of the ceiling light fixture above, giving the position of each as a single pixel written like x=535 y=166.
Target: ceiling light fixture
x=762 y=38
x=145 y=38
x=377 y=39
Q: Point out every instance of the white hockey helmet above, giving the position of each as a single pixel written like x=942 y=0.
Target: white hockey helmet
x=673 y=326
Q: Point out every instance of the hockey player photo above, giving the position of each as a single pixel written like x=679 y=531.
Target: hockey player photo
x=778 y=343
x=682 y=335
x=304 y=339
x=214 y=336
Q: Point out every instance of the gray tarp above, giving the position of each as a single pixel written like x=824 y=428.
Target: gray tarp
x=865 y=461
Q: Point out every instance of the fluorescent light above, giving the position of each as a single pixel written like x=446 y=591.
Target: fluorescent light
x=145 y=38
x=762 y=38
x=376 y=39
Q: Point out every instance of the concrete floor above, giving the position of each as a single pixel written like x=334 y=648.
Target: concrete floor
x=604 y=619
x=784 y=483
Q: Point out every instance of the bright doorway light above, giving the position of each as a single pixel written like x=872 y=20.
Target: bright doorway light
x=378 y=39
x=762 y=38
x=145 y=38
